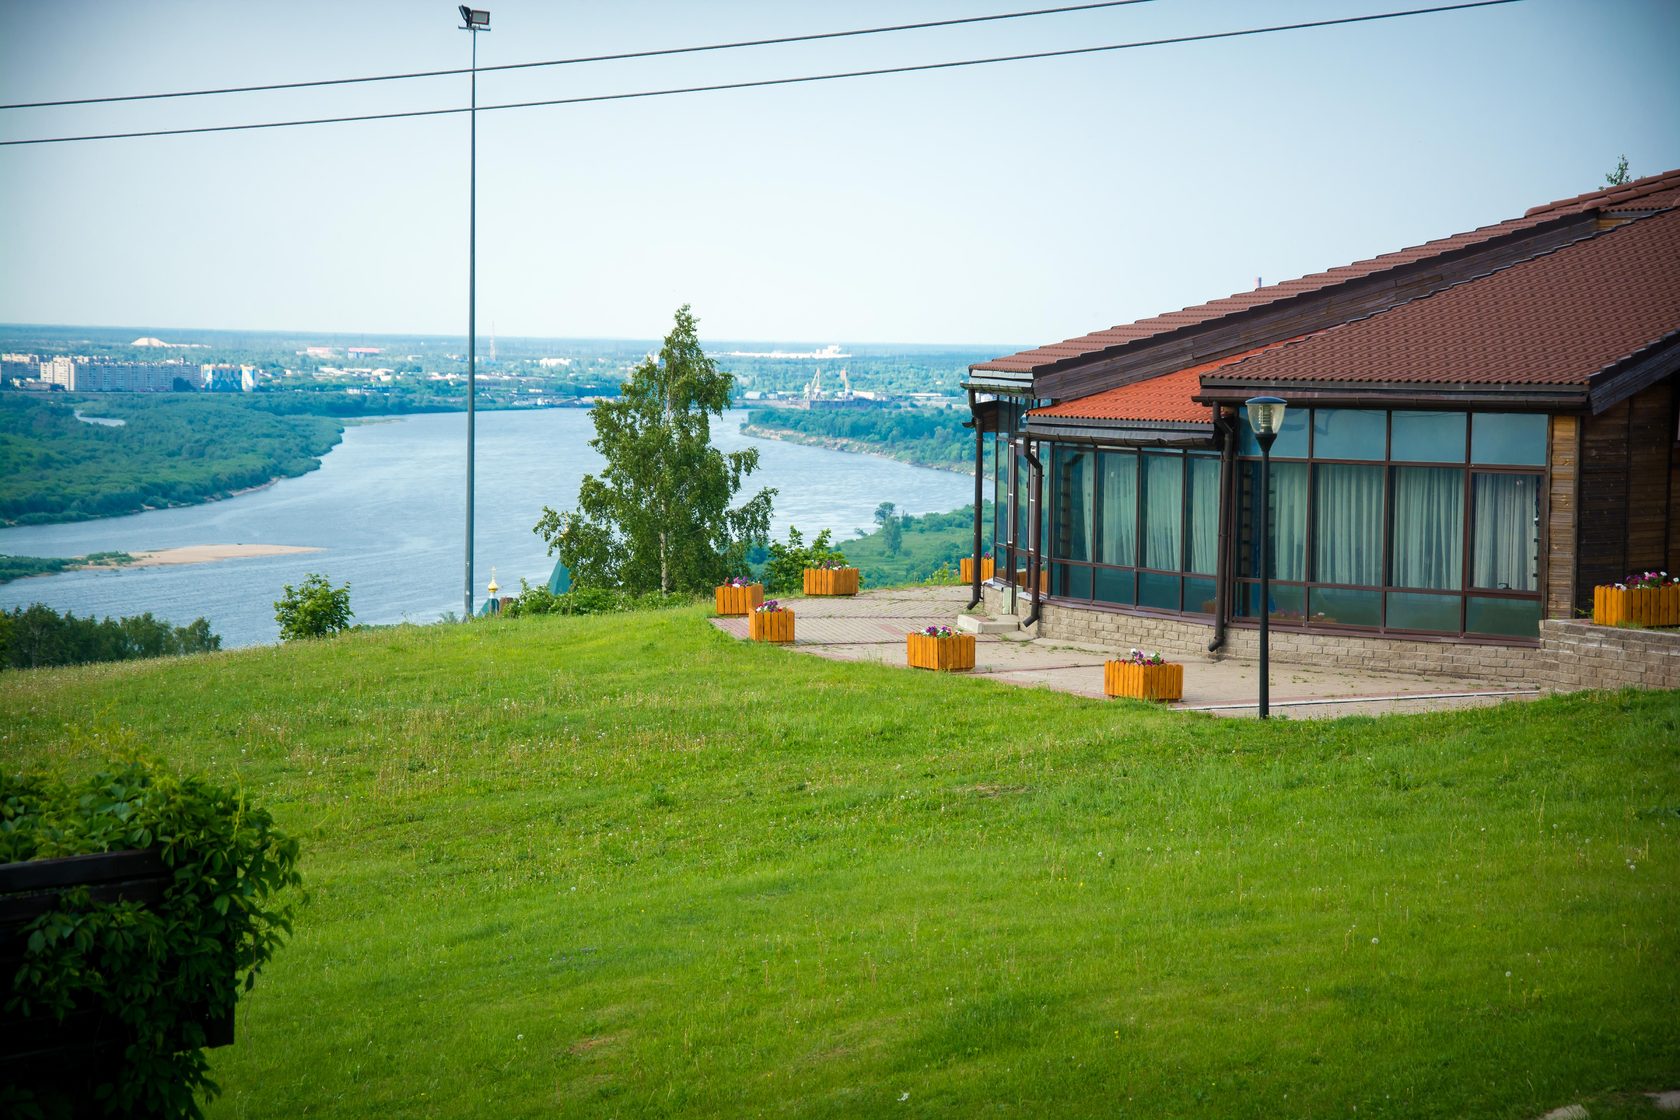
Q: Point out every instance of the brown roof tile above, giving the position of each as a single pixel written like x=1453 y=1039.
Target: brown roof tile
x=1556 y=319
x=1652 y=192
x=1159 y=399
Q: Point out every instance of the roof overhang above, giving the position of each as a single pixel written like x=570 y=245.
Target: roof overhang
x=1118 y=433
x=1612 y=386
x=1400 y=394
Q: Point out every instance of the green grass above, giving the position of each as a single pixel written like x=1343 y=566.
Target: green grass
x=628 y=866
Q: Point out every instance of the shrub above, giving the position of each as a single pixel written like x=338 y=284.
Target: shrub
x=37 y=635
x=585 y=600
x=161 y=971
x=785 y=569
x=316 y=609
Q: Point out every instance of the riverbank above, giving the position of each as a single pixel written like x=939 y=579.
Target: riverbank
x=853 y=446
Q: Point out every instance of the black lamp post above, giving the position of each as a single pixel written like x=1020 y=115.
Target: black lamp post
x=473 y=20
x=1265 y=416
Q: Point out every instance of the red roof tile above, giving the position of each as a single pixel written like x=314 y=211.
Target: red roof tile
x=1653 y=192
x=1159 y=399
x=1556 y=319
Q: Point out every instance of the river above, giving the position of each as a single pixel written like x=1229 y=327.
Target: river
x=388 y=511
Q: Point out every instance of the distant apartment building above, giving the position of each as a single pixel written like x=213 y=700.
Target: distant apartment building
x=221 y=378
x=18 y=367
x=84 y=375
x=320 y=352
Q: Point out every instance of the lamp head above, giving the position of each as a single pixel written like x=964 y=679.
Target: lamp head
x=475 y=19
x=1265 y=416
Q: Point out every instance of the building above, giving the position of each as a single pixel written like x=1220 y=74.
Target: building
x=19 y=367
x=86 y=375
x=1480 y=429
x=221 y=378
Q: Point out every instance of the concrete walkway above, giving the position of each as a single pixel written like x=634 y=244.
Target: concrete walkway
x=872 y=626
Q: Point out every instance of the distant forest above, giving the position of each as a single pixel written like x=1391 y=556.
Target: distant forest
x=933 y=437
x=171 y=449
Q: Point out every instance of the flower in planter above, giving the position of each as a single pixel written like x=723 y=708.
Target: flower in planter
x=1138 y=657
x=938 y=631
x=1642 y=581
x=739 y=581
x=769 y=605
x=830 y=565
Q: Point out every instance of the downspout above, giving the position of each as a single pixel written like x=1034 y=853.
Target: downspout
x=1014 y=519
x=1225 y=428
x=1035 y=545
x=979 y=473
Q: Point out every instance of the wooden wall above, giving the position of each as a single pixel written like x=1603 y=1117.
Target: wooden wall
x=1562 y=512
x=1627 y=488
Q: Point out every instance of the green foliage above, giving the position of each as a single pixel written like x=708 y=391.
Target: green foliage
x=927 y=546
x=1619 y=176
x=314 y=609
x=892 y=527
x=784 y=570
x=161 y=970
x=172 y=449
x=928 y=436
x=658 y=518
x=540 y=600
x=37 y=635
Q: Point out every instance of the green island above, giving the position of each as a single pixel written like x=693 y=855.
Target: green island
x=21 y=567
x=927 y=437
x=628 y=865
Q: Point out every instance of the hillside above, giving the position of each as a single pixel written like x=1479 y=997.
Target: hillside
x=625 y=865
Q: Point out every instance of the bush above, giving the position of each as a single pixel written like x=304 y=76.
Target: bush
x=37 y=635
x=585 y=600
x=314 y=610
x=161 y=971
x=784 y=571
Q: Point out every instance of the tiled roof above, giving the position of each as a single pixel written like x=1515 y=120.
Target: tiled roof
x=1160 y=399
x=1556 y=319
x=1653 y=192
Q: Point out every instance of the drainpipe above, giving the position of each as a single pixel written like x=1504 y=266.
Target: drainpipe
x=1035 y=546
x=1009 y=540
x=979 y=472
x=1226 y=429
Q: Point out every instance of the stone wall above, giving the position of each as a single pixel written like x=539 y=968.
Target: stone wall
x=1582 y=655
x=1571 y=655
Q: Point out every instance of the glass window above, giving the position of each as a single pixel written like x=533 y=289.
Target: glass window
x=1505 y=531
x=1288 y=601
x=1343 y=607
x=1508 y=438
x=1115 y=586
x=1201 y=500
x=1157 y=590
x=1023 y=503
x=1163 y=510
x=1118 y=544
x=1428 y=543
x=1348 y=433
x=1070 y=580
x=1348 y=524
x=1288 y=517
x=1408 y=610
x=1503 y=618
x=1291 y=442
x=1428 y=437
x=1072 y=486
x=1198 y=595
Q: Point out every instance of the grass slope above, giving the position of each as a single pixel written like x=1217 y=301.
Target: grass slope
x=628 y=866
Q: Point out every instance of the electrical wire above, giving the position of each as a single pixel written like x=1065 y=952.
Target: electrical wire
x=624 y=56
x=766 y=82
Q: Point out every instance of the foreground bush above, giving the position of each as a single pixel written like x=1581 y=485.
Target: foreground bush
x=37 y=635
x=148 y=976
x=585 y=600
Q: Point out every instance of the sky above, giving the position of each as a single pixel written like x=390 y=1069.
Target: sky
x=1008 y=205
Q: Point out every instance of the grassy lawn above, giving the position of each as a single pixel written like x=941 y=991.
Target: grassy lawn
x=627 y=866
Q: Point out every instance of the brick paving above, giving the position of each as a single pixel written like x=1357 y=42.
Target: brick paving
x=872 y=626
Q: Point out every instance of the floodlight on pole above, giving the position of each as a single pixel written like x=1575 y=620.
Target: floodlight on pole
x=474 y=20
x=1265 y=416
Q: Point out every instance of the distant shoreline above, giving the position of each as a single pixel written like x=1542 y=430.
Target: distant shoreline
x=854 y=446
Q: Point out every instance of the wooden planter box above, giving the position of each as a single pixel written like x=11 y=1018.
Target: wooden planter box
x=988 y=568
x=947 y=655
x=1143 y=682
x=831 y=581
x=770 y=626
x=732 y=601
x=1649 y=606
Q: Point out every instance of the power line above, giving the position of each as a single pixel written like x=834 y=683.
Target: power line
x=627 y=55
x=766 y=82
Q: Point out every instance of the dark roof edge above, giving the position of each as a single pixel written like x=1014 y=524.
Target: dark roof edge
x=1400 y=393
x=1130 y=433
x=1638 y=371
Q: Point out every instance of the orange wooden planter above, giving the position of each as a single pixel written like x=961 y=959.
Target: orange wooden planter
x=954 y=654
x=739 y=600
x=1143 y=682
x=1647 y=606
x=831 y=581
x=988 y=568
x=770 y=626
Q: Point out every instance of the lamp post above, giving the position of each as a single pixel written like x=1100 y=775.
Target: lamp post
x=1265 y=416
x=473 y=20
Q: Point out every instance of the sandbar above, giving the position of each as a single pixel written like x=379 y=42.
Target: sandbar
x=209 y=553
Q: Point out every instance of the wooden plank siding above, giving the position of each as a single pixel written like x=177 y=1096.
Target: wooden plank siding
x=1561 y=515
x=1629 y=476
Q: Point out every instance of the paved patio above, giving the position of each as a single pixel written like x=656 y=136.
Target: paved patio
x=872 y=626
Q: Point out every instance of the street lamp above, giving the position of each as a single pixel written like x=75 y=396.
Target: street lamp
x=1265 y=416
x=474 y=20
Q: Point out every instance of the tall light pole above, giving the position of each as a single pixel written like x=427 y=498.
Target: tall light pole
x=1265 y=416
x=473 y=20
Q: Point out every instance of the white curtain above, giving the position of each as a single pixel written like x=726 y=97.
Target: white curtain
x=1429 y=527
x=1506 y=530
x=1348 y=525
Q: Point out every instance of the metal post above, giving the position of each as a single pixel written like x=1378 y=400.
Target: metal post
x=1265 y=439
x=472 y=316
x=979 y=495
